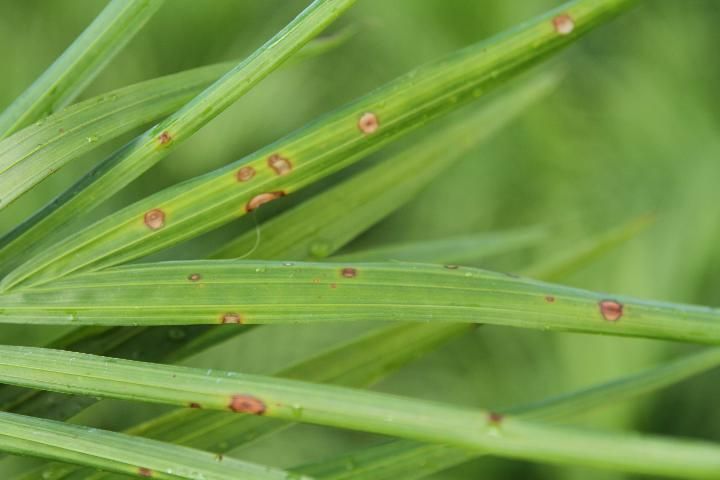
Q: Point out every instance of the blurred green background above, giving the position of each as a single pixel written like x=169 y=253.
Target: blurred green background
x=633 y=129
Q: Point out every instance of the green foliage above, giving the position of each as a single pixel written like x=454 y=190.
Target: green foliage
x=79 y=64
x=209 y=201
x=121 y=453
x=105 y=328
x=208 y=292
x=43 y=148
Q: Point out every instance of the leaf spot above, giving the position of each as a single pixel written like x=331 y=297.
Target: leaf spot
x=564 y=24
x=611 y=310
x=231 y=318
x=349 y=272
x=165 y=138
x=245 y=174
x=280 y=165
x=155 y=219
x=495 y=418
x=368 y=123
x=262 y=199
x=247 y=404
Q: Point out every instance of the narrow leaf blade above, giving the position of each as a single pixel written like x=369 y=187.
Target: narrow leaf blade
x=80 y=63
x=334 y=142
x=259 y=292
x=472 y=429
x=120 y=453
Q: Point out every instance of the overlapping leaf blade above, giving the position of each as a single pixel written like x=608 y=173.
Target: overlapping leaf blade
x=79 y=64
x=415 y=460
x=357 y=363
x=292 y=400
x=375 y=353
x=326 y=146
x=39 y=150
x=289 y=232
x=320 y=226
x=139 y=155
x=121 y=453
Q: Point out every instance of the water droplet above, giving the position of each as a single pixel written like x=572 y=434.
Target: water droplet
x=297 y=411
x=320 y=249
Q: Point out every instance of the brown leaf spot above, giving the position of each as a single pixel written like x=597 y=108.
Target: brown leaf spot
x=195 y=405
x=452 y=267
x=281 y=165
x=247 y=404
x=245 y=174
x=165 y=138
x=611 y=310
x=145 y=472
x=564 y=24
x=333 y=285
x=194 y=277
x=349 y=272
x=219 y=457
x=549 y=299
x=495 y=418
x=262 y=199
x=231 y=318
x=155 y=219
x=368 y=123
